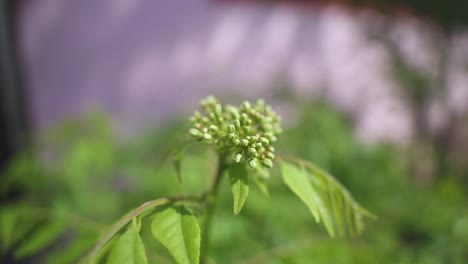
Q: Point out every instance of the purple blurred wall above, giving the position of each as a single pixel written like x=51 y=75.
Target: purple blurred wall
x=143 y=61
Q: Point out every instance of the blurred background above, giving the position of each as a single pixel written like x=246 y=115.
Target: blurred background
x=374 y=91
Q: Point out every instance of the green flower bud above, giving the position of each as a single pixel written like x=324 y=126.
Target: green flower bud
x=211 y=99
x=248 y=130
x=267 y=163
x=264 y=140
x=261 y=103
x=270 y=155
x=195 y=132
x=207 y=136
x=218 y=109
x=213 y=117
x=236 y=123
x=213 y=128
x=252 y=151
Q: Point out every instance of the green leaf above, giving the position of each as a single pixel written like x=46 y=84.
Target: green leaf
x=336 y=199
x=128 y=247
x=177 y=230
x=41 y=238
x=177 y=158
x=239 y=185
x=327 y=199
x=299 y=183
x=320 y=187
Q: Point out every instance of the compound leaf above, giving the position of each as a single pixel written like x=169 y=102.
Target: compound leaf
x=326 y=198
x=177 y=230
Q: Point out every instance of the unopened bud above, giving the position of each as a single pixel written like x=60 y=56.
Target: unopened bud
x=270 y=155
x=252 y=151
x=218 y=109
x=212 y=116
x=246 y=105
x=195 y=132
x=213 y=128
x=237 y=123
x=238 y=157
x=264 y=140
x=267 y=163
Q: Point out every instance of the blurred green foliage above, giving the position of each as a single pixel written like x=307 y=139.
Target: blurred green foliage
x=59 y=195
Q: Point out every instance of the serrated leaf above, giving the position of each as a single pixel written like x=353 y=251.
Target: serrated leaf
x=334 y=204
x=177 y=230
x=299 y=183
x=336 y=199
x=177 y=159
x=320 y=191
x=41 y=238
x=238 y=177
x=128 y=247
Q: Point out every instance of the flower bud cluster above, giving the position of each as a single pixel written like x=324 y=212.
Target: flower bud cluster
x=247 y=131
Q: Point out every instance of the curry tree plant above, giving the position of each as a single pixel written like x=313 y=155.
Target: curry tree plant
x=243 y=138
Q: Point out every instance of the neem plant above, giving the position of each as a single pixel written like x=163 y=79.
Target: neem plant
x=243 y=138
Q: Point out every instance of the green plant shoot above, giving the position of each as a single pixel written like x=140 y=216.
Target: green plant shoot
x=243 y=139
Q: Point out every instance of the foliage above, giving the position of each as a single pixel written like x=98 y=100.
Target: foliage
x=175 y=231
x=417 y=224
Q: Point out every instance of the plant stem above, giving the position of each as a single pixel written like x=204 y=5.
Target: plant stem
x=210 y=204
